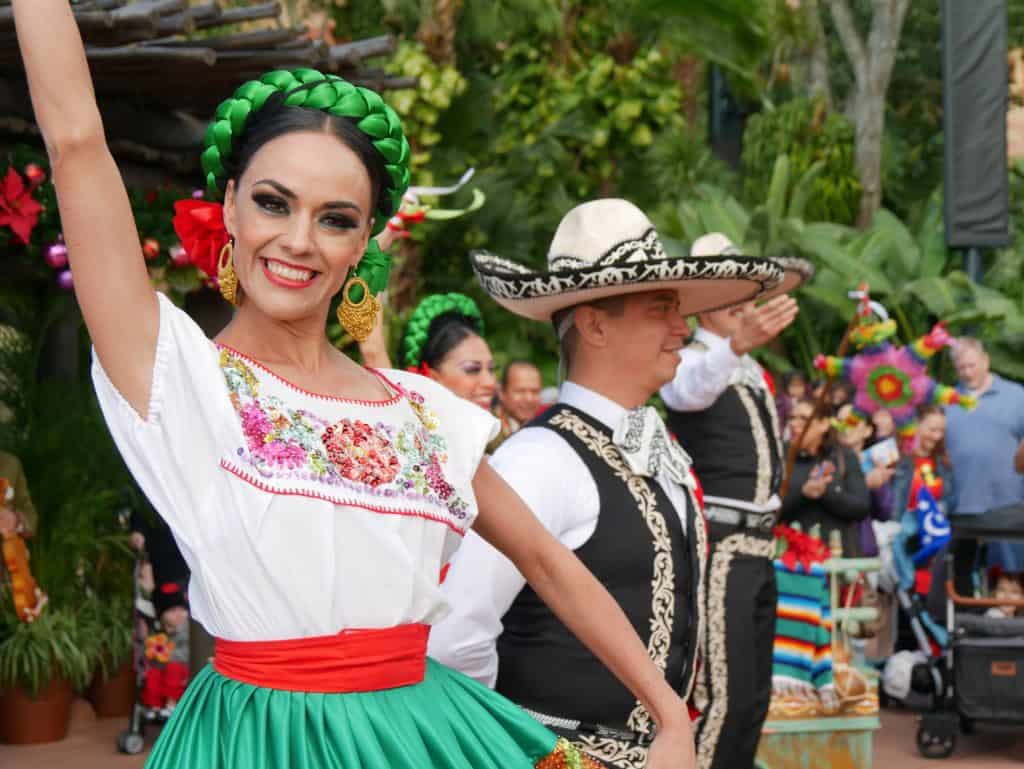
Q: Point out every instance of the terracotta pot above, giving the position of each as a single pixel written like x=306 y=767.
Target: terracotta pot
x=25 y=720
x=113 y=697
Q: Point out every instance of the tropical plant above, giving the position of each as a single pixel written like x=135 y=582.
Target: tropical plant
x=106 y=623
x=805 y=131
x=912 y=274
x=33 y=654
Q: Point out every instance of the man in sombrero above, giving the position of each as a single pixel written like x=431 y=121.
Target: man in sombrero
x=601 y=472
x=722 y=409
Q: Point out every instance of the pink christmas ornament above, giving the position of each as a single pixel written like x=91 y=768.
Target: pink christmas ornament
x=179 y=256
x=64 y=280
x=57 y=256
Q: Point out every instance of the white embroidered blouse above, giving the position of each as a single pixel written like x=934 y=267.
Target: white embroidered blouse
x=299 y=514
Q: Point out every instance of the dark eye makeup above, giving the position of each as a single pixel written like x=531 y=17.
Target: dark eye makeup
x=277 y=205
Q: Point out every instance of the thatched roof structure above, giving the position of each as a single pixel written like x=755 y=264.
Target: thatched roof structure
x=161 y=67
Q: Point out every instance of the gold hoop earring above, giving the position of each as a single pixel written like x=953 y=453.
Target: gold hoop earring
x=227 y=280
x=358 y=318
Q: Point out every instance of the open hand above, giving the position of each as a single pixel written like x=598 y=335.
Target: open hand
x=762 y=324
x=877 y=477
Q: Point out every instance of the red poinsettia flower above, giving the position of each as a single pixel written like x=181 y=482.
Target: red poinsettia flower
x=200 y=228
x=18 y=209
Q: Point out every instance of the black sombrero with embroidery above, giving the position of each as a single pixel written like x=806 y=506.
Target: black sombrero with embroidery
x=609 y=247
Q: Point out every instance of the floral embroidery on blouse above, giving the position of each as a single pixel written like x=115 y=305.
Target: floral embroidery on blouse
x=390 y=461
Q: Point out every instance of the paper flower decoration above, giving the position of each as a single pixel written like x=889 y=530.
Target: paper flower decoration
x=159 y=648
x=896 y=379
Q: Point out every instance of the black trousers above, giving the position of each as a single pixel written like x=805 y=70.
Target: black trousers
x=737 y=664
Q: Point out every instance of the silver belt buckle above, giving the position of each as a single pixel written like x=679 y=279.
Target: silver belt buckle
x=762 y=521
x=724 y=515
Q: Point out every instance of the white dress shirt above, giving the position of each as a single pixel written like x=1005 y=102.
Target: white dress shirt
x=555 y=483
x=703 y=374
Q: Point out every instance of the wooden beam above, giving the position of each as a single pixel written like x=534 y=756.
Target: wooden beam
x=236 y=15
x=353 y=53
x=263 y=38
x=138 y=53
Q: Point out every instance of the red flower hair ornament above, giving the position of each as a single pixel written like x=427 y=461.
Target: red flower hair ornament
x=200 y=228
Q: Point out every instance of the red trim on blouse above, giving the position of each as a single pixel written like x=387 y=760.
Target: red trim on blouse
x=388 y=402
x=355 y=660
x=254 y=481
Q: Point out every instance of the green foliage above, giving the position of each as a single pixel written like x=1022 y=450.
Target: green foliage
x=809 y=135
x=912 y=274
x=34 y=654
x=421 y=107
x=80 y=556
x=106 y=625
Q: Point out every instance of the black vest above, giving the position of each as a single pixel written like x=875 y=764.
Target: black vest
x=735 y=444
x=647 y=564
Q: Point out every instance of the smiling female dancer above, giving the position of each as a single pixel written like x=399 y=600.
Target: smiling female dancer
x=315 y=501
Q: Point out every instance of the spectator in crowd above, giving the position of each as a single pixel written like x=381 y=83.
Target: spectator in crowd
x=1005 y=587
x=151 y=534
x=854 y=434
x=794 y=388
x=884 y=425
x=983 y=445
x=841 y=393
x=17 y=513
x=518 y=396
x=927 y=465
x=826 y=487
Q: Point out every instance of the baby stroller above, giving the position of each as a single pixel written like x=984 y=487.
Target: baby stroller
x=915 y=678
x=983 y=679
x=151 y=647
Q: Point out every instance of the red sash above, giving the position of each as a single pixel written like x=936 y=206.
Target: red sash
x=351 y=661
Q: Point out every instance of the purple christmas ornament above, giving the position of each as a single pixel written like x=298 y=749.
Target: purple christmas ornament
x=64 y=280
x=57 y=256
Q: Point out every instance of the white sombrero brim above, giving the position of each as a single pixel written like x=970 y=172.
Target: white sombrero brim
x=704 y=283
x=797 y=273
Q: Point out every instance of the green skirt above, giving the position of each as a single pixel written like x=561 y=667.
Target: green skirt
x=447 y=721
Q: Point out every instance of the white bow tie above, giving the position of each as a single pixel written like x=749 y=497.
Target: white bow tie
x=647 y=448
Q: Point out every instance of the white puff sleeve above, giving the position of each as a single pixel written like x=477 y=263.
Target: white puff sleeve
x=174 y=452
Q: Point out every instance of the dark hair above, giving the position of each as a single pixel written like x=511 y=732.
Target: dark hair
x=276 y=119
x=445 y=333
x=924 y=411
x=793 y=375
x=511 y=365
x=830 y=442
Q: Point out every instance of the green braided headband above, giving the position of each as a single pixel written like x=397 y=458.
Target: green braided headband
x=434 y=306
x=312 y=89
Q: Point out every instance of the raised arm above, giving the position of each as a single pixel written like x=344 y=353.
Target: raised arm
x=111 y=282
x=587 y=609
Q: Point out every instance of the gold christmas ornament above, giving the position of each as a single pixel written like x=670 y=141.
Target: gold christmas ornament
x=358 y=318
x=227 y=280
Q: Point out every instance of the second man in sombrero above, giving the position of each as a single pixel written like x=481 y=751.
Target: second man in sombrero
x=601 y=472
x=722 y=409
